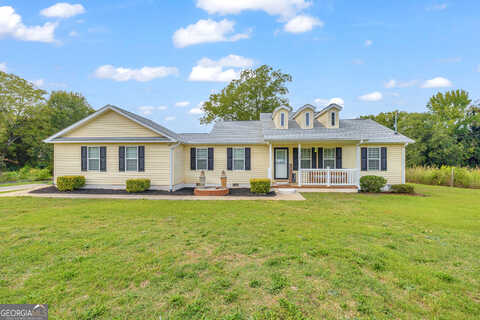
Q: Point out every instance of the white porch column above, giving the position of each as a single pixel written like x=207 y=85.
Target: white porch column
x=299 y=165
x=270 y=176
x=359 y=166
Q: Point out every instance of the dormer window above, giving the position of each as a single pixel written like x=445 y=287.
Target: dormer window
x=307 y=119
x=282 y=119
x=333 y=119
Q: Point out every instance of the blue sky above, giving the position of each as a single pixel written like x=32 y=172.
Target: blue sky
x=163 y=58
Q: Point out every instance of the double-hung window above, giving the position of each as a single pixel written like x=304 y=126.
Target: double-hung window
x=238 y=158
x=306 y=159
x=131 y=158
x=93 y=158
x=307 y=119
x=282 y=119
x=329 y=158
x=333 y=119
x=373 y=156
x=202 y=158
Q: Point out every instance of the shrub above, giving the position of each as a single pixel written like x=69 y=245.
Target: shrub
x=402 y=188
x=40 y=174
x=260 y=185
x=462 y=177
x=138 y=185
x=372 y=183
x=69 y=183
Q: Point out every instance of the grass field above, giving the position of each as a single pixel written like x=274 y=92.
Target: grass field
x=333 y=256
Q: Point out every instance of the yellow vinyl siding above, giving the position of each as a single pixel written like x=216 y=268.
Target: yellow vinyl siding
x=258 y=161
x=300 y=118
x=393 y=174
x=179 y=164
x=111 y=124
x=326 y=120
x=67 y=161
x=277 y=119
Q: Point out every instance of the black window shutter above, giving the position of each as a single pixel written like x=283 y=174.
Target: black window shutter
x=193 y=159
x=320 y=158
x=210 y=158
x=121 y=158
x=384 y=159
x=229 y=158
x=364 y=159
x=338 y=158
x=247 y=158
x=314 y=159
x=295 y=159
x=141 y=158
x=103 y=158
x=84 y=158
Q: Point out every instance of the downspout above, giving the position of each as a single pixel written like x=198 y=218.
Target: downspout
x=172 y=148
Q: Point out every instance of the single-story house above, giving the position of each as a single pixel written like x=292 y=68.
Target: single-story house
x=301 y=148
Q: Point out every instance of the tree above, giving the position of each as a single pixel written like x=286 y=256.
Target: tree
x=257 y=91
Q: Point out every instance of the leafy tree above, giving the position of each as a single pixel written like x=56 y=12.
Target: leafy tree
x=259 y=90
x=66 y=108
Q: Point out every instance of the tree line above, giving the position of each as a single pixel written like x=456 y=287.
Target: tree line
x=447 y=133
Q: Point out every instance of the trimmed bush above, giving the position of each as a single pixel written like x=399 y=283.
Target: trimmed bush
x=372 y=183
x=70 y=183
x=138 y=185
x=260 y=186
x=402 y=188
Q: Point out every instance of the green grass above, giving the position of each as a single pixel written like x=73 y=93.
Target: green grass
x=333 y=256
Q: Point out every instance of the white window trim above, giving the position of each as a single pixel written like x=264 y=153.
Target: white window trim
x=282 y=119
x=379 y=159
x=196 y=159
x=330 y=159
x=333 y=117
x=302 y=159
x=307 y=119
x=136 y=162
x=88 y=159
x=233 y=159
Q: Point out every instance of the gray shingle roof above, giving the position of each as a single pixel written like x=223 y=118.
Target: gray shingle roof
x=111 y=139
x=228 y=132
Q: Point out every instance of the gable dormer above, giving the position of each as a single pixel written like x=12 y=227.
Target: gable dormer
x=280 y=117
x=304 y=116
x=329 y=117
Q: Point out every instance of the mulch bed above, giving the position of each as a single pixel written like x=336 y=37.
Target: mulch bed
x=236 y=192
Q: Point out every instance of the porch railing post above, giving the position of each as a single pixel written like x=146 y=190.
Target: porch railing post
x=299 y=165
x=328 y=177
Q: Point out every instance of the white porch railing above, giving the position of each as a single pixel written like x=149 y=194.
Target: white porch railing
x=328 y=177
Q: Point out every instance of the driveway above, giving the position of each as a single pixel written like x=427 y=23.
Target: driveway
x=22 y=187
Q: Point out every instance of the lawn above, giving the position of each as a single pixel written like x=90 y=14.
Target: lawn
x=332 y=256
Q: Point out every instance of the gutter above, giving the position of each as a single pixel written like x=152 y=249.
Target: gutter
x=172 y=148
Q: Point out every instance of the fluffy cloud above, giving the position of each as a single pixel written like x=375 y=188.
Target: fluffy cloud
x=197 y=110
x=368 y=43
x=207 y=31
x=11 y=25
x=63 y=10
x=148 y=110
x=438 y=82
x=124 y=74
x=3 y=66
x=182 y=104
x=400 y=84
x=170 y=118
x=371 y=97
x=437 y=7
x=73 y=33
x=283 y=8
x=302 y=23
x=38 y=83
x=214 y=71
x=325 y=102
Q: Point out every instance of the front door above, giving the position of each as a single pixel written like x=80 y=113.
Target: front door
x=281 y=163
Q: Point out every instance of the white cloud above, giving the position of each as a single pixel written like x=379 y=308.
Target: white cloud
x=437 y=7
x=11 y=25
x=437 y=82
x=400 y=84
x=73 y=33
x=170 y=118
x=148 y=110
x=38 y=83
x=371 y=97
x=124 y=74
x=182 y=104
x=3 y=66
x=302 y=23
x=368 y=43
x=283 y=8
x=213 y=71
x=63 y=10
x=325 y=102
x=197 y=110
x=207 y=31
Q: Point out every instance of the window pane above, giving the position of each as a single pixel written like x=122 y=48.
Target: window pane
x=131 y=164
x=306 y=164
x=202 y=164
x=282 y=119
x=239 y=153
x=373 y=164
x=238 y=165
x=131 y=152
x=307 y=119
x=94 y=152
x=329 y=164
x=374 y=153
x=93 y=164
x=329 y=153
x=333 y=118
x=306 y=154
x=202 y=153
